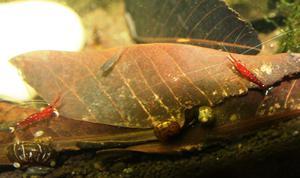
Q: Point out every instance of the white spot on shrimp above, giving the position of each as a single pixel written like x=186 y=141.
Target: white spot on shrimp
x=266 y=68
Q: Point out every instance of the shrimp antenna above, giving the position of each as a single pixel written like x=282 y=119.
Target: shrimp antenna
x=224 y=47
x=57 y=100
x=236 y=39
x=24 y=103
x=230 y=57
x=267 y=41
x=33 y=102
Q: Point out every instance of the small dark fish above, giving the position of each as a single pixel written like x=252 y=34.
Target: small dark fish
x=111 y=62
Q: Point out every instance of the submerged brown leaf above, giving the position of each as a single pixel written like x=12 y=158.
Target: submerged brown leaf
x=148 y=84
x=69 y=134
x=251 y=113
x=207 y=23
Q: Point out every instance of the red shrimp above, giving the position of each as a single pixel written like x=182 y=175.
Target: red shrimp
x=44 y=114
x=242 y=69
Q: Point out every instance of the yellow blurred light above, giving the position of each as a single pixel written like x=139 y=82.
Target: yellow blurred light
x=33 y=25
x=183 y=40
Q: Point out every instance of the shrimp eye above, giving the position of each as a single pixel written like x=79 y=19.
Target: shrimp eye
x=55 y=113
